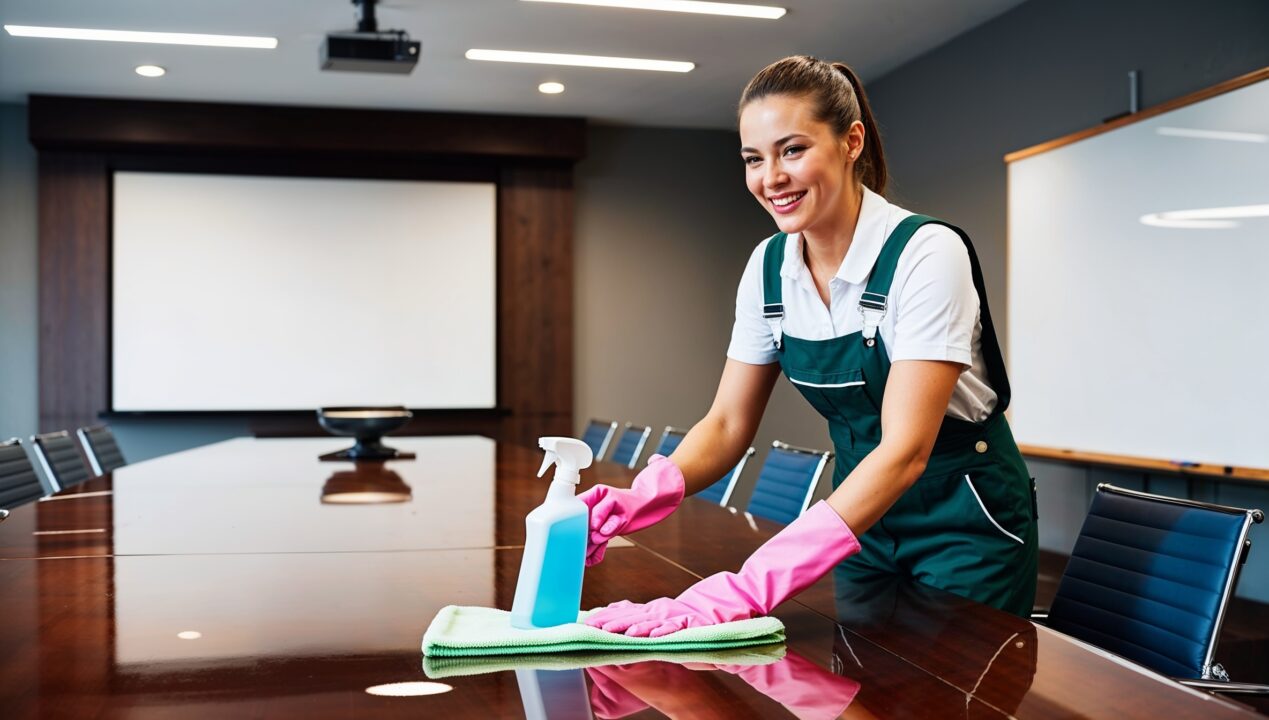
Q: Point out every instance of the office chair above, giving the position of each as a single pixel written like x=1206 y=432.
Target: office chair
x=721 y=491
x=630 y=444
x=60 y=459
x=18 y=482
x=787 y=481
x=1149 y=579
x=670 y=439
x=101 y=449
x=598 y=434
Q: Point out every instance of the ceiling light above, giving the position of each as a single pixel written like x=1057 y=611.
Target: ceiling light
x=189 y=635
x=764 y=12
x=1213 y=134
x=150 y=71
x=551 y=88
x=162 y=38
x=1205 y=218
x=409 y=689
x=596 y=61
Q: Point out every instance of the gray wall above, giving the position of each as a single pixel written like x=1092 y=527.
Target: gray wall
x=19 y=319
x=1041 y=71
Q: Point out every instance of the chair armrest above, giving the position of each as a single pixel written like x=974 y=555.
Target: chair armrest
x=1222 y=686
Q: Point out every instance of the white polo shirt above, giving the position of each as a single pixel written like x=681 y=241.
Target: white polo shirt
x=933 y=311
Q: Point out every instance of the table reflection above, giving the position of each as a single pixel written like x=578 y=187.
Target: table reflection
x=368 y=483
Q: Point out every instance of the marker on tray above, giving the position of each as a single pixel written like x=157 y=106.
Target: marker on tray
x=1184 y=463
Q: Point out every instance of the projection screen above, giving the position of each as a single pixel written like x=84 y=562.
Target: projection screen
x=247 y=293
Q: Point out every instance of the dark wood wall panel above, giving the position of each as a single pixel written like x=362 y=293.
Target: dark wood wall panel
x=82 y=141
x=74 y=280
x=535 y=299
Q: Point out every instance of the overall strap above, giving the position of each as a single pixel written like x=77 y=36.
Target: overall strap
x=873 y=302
x=772 y=286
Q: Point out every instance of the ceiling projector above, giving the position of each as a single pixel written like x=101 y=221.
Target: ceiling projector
x=367 y=49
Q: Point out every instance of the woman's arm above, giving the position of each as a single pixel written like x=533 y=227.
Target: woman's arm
x=912 y=409
x=716 y=443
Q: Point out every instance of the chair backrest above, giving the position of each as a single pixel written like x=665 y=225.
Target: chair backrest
x=101 y=449
x=59 y=457
x=670 y=439
x=18 y=482
x=1150 y=576
x=598 y=435
x=630 y=444
x=787 y=481
x=721 y=491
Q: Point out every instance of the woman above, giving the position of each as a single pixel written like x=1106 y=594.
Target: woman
x=879 y=318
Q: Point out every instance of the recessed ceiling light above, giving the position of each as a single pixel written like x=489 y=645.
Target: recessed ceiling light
x=150 y=71
x=551 y=88
x=765 y=12
x=189 y=635
x=596 y=61
x=409 y=689
x=162 y=38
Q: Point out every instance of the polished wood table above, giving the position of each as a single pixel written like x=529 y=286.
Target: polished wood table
x=243 y=580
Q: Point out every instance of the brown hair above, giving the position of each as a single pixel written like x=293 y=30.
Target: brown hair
x=839 y=101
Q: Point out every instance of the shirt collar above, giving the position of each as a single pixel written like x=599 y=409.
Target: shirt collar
x=865 y=246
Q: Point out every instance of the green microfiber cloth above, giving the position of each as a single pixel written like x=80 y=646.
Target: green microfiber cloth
x=438 y=668
x=470 y=631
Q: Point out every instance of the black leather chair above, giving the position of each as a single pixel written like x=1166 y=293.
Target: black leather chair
x=101 y=449
x=1149 y=579
x=60 y=460
x=18 y=482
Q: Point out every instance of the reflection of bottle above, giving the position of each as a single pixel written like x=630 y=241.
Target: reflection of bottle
x=549 y=591
x=554 y=694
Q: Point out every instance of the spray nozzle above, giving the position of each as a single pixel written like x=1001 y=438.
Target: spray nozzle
x=569 y=456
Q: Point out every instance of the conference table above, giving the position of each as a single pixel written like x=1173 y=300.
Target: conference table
x=250 y=579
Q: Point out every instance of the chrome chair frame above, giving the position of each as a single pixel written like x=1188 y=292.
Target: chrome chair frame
x=643 y=440
x=1213 y=677
x=735 y=477
x=612 y=430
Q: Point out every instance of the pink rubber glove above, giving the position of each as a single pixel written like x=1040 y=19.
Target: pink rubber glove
x=802 y=687
x=785 y=565
x=656 y=492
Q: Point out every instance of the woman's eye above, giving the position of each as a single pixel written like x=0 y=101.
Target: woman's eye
x=793 y=149
x=752 y=160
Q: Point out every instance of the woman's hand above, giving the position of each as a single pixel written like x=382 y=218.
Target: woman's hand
x=785 y=565
x=657 y=490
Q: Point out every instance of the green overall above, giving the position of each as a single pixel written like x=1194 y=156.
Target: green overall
x=968 y=525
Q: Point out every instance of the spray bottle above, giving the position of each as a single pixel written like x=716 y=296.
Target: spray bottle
x=549 y=591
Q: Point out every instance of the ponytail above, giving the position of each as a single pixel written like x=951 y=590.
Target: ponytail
x=839 y=101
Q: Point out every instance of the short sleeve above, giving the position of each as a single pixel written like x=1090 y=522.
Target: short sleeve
x=751 y=338
x=936 y=306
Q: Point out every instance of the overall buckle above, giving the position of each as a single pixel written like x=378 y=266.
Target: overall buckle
x=873 y=307
x=774 y=314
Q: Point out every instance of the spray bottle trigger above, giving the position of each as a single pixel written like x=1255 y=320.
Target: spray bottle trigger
x=547 y=462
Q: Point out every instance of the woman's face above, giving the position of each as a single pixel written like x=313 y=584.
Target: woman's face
x=795 y=166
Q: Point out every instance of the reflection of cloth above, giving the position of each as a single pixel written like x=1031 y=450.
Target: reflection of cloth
x=470 y=631
x=443 y=667
x=806 y=690
x=995 y=660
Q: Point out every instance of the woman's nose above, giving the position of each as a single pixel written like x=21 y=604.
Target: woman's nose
x=774 y=176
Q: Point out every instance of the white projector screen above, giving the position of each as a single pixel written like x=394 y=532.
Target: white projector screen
x=1139 y=287
x=245 y=293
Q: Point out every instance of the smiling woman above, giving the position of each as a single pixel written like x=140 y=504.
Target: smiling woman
x=880 y=319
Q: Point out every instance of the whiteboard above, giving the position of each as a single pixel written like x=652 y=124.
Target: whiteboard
x=282 y=293
x=1138 y=275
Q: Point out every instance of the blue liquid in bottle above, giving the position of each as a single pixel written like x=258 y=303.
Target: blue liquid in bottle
x=560 y=586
